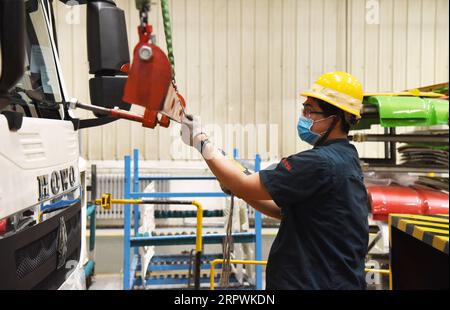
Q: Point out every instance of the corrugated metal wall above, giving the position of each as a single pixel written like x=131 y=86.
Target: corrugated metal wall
x=245 y=61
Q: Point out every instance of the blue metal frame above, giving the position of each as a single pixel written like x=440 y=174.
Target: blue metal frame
x=176 y=178
x=176 y=281
x=175 y=195
x=131 y=263
x=245 y=237
x=182 y=262
x=135 y=190
x=258 y=244
x=127 y=227
x=258 y=225
x=91 y=216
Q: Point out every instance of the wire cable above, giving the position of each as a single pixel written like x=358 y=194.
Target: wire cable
x=227 y=247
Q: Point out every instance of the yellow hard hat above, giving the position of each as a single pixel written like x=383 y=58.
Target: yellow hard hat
x=340 y=89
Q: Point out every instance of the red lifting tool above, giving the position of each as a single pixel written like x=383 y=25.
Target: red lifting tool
x=150 y=84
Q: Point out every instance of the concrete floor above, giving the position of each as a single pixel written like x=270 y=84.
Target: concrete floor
x=107 y=282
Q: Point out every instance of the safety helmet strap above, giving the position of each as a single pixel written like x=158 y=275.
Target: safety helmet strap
x=324 y=137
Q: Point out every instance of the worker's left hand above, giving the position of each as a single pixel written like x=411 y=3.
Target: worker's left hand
x=191 y=130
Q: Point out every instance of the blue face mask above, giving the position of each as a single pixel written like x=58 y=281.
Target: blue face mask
x=305 y=133
x=304 y=130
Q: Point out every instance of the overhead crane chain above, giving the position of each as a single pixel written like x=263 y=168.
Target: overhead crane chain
x=168 y=33
x=144 y=7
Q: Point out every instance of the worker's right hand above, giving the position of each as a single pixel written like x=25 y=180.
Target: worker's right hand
x=191 y=131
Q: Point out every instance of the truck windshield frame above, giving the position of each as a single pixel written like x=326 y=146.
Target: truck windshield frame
x=39 y=92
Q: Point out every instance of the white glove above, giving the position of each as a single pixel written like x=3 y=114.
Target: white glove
x=191 y=129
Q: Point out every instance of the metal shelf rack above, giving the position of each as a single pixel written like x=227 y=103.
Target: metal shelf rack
x=131 y=191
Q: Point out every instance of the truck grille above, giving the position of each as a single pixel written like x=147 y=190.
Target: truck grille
x=30 y=258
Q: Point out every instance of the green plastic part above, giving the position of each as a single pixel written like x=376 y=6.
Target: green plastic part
x=398 y=111
x=442 y=90
x=430 y=146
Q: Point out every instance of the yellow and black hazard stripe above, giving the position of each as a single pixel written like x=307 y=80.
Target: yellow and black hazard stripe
x=431 y=229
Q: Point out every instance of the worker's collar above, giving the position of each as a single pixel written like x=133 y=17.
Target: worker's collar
x=341 y=140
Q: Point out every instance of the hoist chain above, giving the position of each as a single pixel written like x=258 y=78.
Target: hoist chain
x=168 y=33
x=144 y=8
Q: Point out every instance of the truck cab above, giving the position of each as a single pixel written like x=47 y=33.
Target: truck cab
x=42 y=176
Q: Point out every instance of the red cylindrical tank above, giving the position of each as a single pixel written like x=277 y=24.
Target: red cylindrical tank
x=405 y=200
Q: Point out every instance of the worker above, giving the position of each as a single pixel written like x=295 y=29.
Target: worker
x=319 y=194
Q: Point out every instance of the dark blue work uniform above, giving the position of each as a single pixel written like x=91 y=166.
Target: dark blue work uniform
x=323 y=236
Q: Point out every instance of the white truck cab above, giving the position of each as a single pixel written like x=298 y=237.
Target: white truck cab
x=42 y=177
